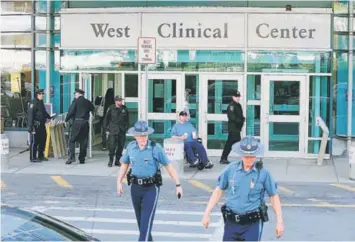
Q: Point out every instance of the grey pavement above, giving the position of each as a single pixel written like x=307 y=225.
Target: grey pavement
x=312 y=211
x=335 y=170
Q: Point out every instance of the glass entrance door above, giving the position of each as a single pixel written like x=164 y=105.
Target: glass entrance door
x=216 y=91
x=165 y=99
x=283 y=115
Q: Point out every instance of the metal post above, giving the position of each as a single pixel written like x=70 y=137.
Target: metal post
x=350 y=93
x=33 y=46
x=48 y=51
x=146 y=92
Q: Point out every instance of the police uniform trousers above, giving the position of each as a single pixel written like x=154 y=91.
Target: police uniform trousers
x=79 y=133
x=116 y=143
x=38 y=142
x=103 y=134
x=232 y=139
x=237 y=232
x=145 y=199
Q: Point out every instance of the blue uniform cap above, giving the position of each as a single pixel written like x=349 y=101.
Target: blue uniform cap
x=248 y=146
x=140 y=128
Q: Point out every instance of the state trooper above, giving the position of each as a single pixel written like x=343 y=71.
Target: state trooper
x=235 y=124
x=37 y=117
x=79 y=112
x=145 y=157
x=246 y=182
x=116 y=124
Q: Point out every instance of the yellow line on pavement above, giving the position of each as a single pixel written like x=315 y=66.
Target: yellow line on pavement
x=318 y=201
x=285 y=190
x=61 y=182
x=2 y=185
x=346 y=187
x=201 y=185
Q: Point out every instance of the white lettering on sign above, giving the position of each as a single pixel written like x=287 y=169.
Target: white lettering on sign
x=146 y=50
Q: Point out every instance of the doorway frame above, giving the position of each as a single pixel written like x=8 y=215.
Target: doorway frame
x=203 y=104
x=302 y=118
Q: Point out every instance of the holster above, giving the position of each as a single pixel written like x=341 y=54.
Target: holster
x=158 y=178
x=129 y=177
x=263 y=212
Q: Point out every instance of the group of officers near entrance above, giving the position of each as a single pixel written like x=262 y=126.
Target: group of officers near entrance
x=245 y=181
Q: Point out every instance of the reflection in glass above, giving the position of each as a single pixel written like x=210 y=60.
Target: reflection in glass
x=95 y=59
x=133 y=117
x=162 y=130
x=220 y=94
x=217 y=132
x=161 y=96
x=70 y=81
x=131 y=85
x=16 y=23
x=314 y=146
x=279 y=61
x=319 y=104
x=284 y=98
x=283 y=136
x=254 y=87
x=192 y=98
x=16 y=40
x=11 y=7
x=253 y=120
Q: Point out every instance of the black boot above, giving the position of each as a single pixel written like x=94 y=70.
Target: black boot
x=117 y=162
x=110 y=162
x=70 y=160
x=224 y=162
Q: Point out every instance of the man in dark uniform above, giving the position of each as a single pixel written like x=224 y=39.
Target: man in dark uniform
x=235 y=124
x=116 y=124
x=79 y=112
x=37 y=117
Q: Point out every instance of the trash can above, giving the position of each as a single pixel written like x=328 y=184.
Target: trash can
x=351 y=154
x=174 y=149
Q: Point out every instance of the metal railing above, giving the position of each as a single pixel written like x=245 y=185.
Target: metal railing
x=323 y=145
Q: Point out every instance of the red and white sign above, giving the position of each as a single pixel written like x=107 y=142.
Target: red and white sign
x=147 y=50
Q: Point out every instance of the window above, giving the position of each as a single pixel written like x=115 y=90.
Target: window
x=16 y=40
x=11 y=7
x=16 y=23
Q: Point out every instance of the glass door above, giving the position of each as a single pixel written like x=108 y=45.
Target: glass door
x=164 y=100
x=283 y=115
x=216 y=91
x=86 y=85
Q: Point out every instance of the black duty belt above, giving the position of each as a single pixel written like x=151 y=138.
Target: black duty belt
x=81 y=119
x=248 y=218
x=143 y=181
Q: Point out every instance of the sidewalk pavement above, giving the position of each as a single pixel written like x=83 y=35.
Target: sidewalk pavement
x=335 y=170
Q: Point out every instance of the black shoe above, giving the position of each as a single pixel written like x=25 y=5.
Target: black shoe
x=224 y=162
x=43 y=159
x=35 y=160
x=110 y=162
x=69 y=161
x=82 y=162
x=209 y=165
x=200 y=166
x=117 y=163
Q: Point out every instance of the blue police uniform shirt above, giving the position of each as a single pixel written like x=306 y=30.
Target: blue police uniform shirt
x=180 y=129
x=244 y=189
x=144 y=162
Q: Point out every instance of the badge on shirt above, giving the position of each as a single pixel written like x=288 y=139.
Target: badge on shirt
x=231 y=108
x=252 y=184
x=31 y=105
x=146 y=160
x=123 y=111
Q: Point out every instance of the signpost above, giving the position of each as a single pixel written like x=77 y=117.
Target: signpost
x=147 y=53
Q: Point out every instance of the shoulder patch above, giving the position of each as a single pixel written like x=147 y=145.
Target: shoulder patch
x=231 y=107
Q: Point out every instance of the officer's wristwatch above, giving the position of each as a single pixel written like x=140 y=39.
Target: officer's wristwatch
x=178 y=185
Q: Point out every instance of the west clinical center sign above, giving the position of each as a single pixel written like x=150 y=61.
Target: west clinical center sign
x=196 y=30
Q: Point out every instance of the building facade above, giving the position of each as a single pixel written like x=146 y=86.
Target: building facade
x=290 y=64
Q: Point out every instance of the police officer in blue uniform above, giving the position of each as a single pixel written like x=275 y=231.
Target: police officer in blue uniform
x=246 y=182
x=145 y=157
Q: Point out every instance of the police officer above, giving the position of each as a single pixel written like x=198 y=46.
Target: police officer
x=235 y=125
x=37 y=117
x=116 y=124
x=79 y=112
x=246 y=182
x=145 y=157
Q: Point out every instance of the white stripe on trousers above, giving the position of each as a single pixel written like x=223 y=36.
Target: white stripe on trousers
x=33 y=142
x=151 y=214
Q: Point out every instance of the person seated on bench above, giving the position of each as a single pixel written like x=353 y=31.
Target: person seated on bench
x=186 y=131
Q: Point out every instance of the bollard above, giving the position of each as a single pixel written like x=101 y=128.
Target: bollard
x=4 y=151
x=174 y=149
x=351 y=154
